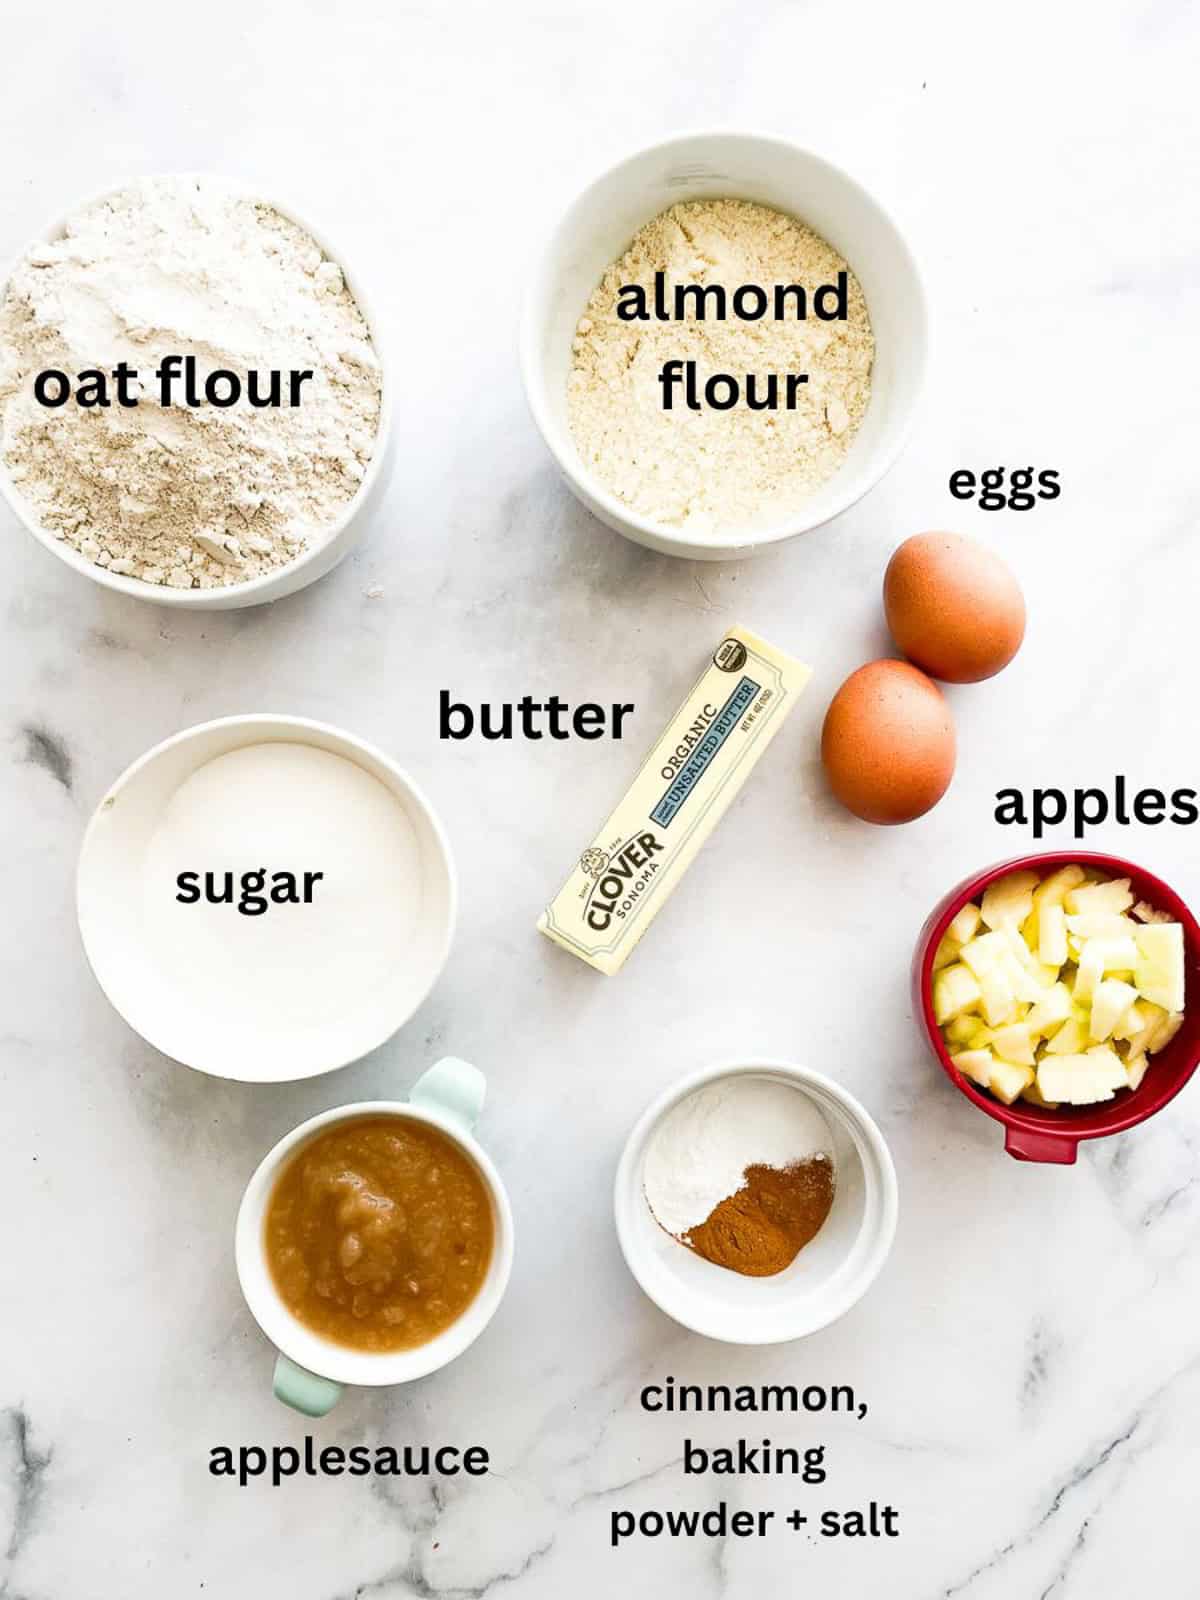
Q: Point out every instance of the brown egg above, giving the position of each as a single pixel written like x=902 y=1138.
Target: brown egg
x=888 y=743
x=953 y=607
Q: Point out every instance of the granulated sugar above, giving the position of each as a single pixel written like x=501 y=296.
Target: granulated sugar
x=711 y=470
x=191 y=496
x=262 y=959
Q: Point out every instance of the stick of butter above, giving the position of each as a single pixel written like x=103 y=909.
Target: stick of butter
x=685 y=786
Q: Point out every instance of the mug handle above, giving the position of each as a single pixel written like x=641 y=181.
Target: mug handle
x=1028 y=1144
x=455 y=1088
x=303 y=1390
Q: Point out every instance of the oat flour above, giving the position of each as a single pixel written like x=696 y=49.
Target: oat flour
x=194 y=497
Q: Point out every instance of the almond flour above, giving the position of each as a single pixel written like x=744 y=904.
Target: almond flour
x=719 y=471
x=191 y=496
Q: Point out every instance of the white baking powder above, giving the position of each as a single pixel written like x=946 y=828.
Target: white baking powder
x=283 y=808
x=190 y=496
x=701 y=1149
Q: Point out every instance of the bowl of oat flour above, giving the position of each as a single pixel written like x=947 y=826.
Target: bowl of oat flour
x=723 y=344
x=193 y=406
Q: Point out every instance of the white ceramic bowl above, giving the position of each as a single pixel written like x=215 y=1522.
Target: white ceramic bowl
x=340 y=535
x=703 y=166
x=325 y=1366
x=830 y=1274
x=186 y=1022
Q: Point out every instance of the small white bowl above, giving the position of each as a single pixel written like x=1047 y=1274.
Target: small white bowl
x=186 y=1022
x=598 y=227
x=310 y=1370
x=321 y=557
x=830 y=1274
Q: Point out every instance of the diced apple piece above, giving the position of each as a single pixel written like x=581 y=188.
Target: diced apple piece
x=955 y=990
x=1053 y=1008
x=1014 y=1044
x=1026 y=973
x=1106 y=1056
x=1111 y=1000
x=1133 y=1022
x=1052 y=935
x=1100 y=956
x=987 y=952
x=960 y=1029
x=1154 y=1017
x=1051 y=890
x=992 y=962
x=1145 y=913
x=982 y=1036
x=1135 y=1068
x=1060 y=1079
x=1165 y=1032
x=1031 y=983
x=1007 y=1080
x=1019 y=950
x=1158 y=970
x=1071 y=1038
x=1029 y=978
x=965 y=925
x=1009 y=899
x=976 y=1065
x=1081 y=1080
x=1112 y=895
x=1117 y=953
x=946 y=954
x=1091 y=970
x=998 y=997
x=1100 y=925
x=1034 y=1095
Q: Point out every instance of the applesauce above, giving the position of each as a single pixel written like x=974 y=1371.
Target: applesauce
x=379 y=1233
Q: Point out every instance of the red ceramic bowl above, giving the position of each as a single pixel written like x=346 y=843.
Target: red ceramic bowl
x=1032 y=1134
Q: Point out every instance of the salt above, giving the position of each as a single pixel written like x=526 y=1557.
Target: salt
x=699 y=1155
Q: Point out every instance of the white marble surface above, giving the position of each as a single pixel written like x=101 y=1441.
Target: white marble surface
x=1031 y=1354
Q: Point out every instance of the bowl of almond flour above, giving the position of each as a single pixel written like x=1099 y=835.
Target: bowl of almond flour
x=723 y=344
x=221 y=497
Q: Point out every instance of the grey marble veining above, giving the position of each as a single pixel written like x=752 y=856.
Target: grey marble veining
x=1030 y=1356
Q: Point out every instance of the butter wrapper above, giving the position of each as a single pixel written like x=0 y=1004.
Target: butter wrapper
x=686 y=784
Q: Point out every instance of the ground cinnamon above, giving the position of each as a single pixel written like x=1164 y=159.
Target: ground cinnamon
x=762 y=1228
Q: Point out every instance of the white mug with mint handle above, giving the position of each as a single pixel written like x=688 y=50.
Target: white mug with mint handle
x=311 y=1372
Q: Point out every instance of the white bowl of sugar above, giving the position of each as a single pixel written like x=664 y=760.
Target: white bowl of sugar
x=828 y=1276
x=593 y=235
x=265 y=898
